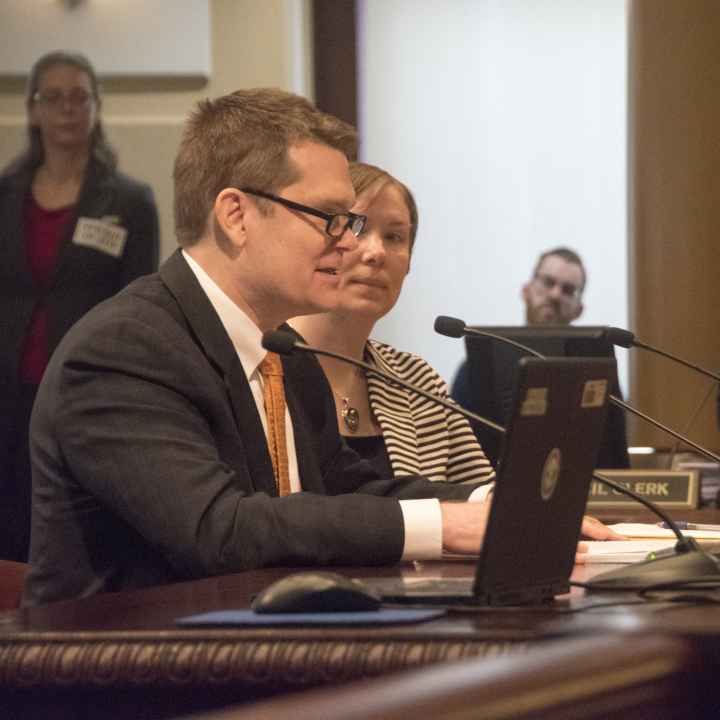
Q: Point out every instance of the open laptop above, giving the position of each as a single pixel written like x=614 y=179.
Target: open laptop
x=548 y=456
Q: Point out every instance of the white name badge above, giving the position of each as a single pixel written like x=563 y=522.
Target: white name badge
x=100 y=235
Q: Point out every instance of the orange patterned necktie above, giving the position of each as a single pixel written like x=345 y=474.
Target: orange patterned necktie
x=274 y=397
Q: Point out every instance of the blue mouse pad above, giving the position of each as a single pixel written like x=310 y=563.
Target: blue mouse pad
x=383 y=616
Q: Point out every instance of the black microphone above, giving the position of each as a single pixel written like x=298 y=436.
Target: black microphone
x=280 y=342
x=283 y=343
x=456 y=328
x=626 y=339
x=689 y=562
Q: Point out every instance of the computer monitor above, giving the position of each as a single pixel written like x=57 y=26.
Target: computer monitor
x=485 y=383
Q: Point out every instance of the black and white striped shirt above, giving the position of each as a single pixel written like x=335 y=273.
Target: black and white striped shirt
x=421 y=437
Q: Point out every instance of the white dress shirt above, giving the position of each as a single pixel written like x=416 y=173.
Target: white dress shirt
x=422 y=518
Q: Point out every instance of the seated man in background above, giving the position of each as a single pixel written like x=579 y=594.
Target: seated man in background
x=554 y=293
x=166 y=443
x=552 y=296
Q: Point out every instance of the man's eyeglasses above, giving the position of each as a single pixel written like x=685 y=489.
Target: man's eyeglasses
x=55 y=99
x=569 y=291
x=337 y=224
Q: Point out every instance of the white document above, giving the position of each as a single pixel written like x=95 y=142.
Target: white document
x=623 y=551
x=648 y=530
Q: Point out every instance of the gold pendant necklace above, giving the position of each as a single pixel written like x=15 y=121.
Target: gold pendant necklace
x=350 y=415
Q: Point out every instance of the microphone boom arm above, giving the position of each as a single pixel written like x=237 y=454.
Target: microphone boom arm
x=283 y=342
x=453 y=407
x=670 y=356
x=684 y=543
x=613 y=399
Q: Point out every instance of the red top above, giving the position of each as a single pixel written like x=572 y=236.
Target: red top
x=44 y=231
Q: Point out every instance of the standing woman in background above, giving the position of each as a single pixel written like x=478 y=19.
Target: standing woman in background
x=73 y=231
x=399 y=432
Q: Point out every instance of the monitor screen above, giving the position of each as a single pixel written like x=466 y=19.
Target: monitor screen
x=486 y=381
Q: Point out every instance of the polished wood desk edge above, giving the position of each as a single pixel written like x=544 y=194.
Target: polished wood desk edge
x=63 y=660
x=271 y=659
x=607 y=673
x=65 y=644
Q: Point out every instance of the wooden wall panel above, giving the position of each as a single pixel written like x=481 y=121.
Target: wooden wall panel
x=674 y=206
x=335 y=58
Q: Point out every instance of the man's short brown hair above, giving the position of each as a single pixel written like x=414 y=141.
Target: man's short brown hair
x=242 y=140
x=567 y=255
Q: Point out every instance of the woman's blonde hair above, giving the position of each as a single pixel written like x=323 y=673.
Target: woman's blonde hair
x=364 y=175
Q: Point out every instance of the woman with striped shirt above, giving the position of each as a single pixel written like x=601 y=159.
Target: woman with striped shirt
x=400 y=432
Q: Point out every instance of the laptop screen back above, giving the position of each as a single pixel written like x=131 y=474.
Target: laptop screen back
x=544 y=475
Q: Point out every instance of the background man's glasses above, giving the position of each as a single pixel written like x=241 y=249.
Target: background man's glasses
x=336 y=224
x=75 y=99
x=569 y=291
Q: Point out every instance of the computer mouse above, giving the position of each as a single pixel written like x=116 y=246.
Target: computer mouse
x=316 y=591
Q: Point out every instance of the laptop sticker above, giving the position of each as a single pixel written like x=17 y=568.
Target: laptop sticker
x=594 y=392
x=535 y=402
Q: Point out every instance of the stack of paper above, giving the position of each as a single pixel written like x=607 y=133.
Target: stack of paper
x=622 y=551
x=643 y=538
x=708 y=472
x=647 y=530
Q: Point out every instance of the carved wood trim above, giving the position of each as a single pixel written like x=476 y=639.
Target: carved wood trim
x=57 y=660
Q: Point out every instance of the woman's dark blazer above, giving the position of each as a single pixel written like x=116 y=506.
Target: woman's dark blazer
x=84 y=276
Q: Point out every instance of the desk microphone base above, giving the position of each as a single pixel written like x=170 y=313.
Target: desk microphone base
x=681 y=568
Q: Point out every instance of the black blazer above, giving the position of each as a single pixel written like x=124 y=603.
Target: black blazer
x=150 y=463
x=84 y=276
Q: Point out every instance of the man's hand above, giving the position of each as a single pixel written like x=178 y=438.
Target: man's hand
x=594 y=529
x=463 y=525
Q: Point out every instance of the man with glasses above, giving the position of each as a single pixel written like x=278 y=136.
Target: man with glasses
x=552 y=296
x=554 y=293
x=166 y=443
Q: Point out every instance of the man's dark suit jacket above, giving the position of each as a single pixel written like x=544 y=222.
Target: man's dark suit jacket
x=84 y=277
x=150 y=462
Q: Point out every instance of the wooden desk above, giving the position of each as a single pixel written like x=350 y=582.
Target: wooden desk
x=595 y=678
x=122 y=655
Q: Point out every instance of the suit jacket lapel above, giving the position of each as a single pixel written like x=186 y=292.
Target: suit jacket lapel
x=212 y=337
x=308 y=469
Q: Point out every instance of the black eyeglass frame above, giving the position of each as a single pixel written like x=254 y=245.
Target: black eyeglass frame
x=57 y=100
x=353 y=219
x=569 y=291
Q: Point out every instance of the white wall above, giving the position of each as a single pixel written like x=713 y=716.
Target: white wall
x=123 y=38
x=507 y=118
x=262 y=44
